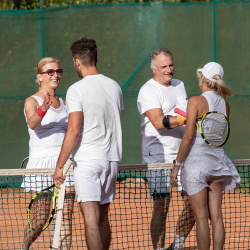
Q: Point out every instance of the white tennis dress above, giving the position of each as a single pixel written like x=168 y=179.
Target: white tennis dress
x=45 y=144
x=205 y=163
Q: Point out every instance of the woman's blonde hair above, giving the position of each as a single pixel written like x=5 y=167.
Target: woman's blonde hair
x=218 y=86
x=42 y=63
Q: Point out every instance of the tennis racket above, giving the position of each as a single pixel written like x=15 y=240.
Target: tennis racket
x=59 y=214
x=24 y=162
x=213 y=126
x=42 y=207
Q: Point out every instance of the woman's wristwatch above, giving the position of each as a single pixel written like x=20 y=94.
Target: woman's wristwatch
x=176 y=163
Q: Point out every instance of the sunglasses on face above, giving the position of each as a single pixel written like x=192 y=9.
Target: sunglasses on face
x=51 y=72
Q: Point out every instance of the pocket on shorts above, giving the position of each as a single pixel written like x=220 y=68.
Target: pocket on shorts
x=153 y=158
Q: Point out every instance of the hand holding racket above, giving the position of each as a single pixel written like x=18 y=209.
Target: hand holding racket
x=42 y=207
x=214 y=127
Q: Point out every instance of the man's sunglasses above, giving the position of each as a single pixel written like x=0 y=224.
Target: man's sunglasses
x=51 y=72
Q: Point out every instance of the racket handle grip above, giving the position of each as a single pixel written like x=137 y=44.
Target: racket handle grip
x=67 y=166
x=180 y=112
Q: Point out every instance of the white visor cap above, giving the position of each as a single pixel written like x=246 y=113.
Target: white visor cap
x=211 y=69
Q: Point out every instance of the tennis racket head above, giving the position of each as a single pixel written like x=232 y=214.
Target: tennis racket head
x=42 y=208
x=214 y=128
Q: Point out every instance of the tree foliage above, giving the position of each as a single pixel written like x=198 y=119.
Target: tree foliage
x=35 y=4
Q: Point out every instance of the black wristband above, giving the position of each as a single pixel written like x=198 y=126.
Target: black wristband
x=166 y=122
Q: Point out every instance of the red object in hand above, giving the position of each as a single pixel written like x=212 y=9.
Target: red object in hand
x=180 y=112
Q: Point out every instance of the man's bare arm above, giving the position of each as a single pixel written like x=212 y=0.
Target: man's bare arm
x=156 y=117
x=69 y=143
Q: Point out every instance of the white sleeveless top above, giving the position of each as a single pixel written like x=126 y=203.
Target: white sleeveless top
x=215 y=102
x=47 y=138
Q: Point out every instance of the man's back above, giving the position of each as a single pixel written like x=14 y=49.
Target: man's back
x=100 y=100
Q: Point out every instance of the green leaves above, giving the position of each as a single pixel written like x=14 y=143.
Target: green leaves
x=35 y=4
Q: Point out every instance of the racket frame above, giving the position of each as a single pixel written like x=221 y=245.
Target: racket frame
x=201 y=132
x=53 y=207
x=202 y=117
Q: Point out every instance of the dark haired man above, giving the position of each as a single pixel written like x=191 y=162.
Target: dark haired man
x=95 y=140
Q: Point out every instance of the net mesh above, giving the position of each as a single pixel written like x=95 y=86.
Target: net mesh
x=130 y=214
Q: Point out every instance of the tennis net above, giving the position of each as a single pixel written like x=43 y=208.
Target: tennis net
x=130 y=214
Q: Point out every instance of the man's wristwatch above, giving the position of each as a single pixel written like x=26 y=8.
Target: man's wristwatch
x=177 y=163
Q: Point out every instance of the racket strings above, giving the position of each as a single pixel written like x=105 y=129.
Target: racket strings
x=41 y=209
x=215 y=128
x=39 y=214
x=30 y=235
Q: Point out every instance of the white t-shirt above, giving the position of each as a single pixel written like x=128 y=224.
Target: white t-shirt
x=154 y=95
x=100 y=100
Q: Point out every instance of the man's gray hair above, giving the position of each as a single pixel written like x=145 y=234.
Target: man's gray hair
x=157 y=52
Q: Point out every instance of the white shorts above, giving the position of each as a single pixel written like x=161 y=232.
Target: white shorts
x=159 y=180
x=95 y=180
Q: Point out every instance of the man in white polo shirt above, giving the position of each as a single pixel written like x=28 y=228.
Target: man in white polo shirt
x=162 y=131
x=94 y=138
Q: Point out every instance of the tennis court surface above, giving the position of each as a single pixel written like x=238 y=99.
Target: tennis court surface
x=130 y=213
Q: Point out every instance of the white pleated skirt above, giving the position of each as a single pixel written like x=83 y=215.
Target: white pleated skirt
x=39 y=182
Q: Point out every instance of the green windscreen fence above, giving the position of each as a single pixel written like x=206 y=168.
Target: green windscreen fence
x=126 y=34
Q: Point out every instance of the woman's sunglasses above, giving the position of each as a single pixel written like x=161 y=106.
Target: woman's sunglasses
x=51 y=72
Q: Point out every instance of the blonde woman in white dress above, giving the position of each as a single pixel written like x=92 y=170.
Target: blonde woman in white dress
x=47 y=121
x=206 y=170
